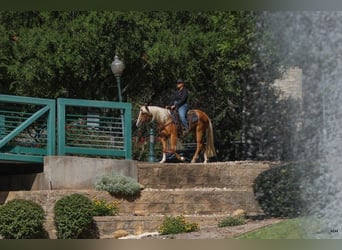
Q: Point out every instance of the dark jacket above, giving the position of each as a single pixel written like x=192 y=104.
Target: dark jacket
x=180 y=97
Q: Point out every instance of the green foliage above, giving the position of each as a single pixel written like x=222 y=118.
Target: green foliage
x=232 y=221
x=175 y=225
x=73 y=215
x=286 y=190
x=118 y=185
x=21 y=219
x=140 y=145
x=68 y=54
x=104 y=208
x=278 y=191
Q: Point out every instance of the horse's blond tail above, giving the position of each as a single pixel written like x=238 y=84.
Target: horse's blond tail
x=210 y=147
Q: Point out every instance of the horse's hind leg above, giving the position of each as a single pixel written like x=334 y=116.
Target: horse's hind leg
x=199 y=137
x=198 y=150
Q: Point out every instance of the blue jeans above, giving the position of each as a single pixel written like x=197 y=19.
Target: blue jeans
x=182 y=110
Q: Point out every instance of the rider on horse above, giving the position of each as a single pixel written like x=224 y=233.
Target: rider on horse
x=180 y=104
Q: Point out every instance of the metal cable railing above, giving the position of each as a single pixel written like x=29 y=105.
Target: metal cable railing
x=84 y=127
x=94 y=128
x=27 y=128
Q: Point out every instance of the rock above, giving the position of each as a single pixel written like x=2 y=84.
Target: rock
x=239 y=212
x=141 y=236
x=140 y=213
x=120 y=233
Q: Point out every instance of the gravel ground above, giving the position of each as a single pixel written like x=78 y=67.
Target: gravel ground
x=213 y=232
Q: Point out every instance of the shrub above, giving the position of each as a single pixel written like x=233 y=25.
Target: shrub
x=102 y=208
x=73 y=216
x=232 y=221
x=175 y=225
x=118 y=185
x=280 y=191
x=21 y=219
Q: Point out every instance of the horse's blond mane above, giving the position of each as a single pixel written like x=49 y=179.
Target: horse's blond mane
x=159 y=114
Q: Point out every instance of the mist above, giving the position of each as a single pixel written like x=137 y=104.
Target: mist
x=312 y=41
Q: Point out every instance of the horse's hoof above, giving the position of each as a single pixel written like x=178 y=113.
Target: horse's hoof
x=162 y=162
x=193 y=161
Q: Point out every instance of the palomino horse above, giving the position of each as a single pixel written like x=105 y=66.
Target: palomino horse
x=167 y=129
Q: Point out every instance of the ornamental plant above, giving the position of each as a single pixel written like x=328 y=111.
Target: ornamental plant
x=175 y=225
x=118 y=185
x=232 y=221
x=104 y=208
x=21 y=219
x=73 y=216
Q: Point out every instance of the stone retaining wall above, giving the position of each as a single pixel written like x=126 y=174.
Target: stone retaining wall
x=203 y=192
x=158 y=202
x=233 y=175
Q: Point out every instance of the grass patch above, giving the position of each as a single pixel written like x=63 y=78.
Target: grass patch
x=288 y=229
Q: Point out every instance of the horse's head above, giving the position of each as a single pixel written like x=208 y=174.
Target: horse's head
x=144 y=115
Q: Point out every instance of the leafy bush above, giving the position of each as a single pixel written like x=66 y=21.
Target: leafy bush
x=73 y=216
x=280 y=190
x=102 y=208
x=232 y=221
x=175 y=225
x=21 y=219
x=118 y=185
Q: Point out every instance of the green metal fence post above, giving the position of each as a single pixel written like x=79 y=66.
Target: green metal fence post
x=151 y=146
x=51 y=129
x=2 y=126
x=61 y=126
x=128 y=132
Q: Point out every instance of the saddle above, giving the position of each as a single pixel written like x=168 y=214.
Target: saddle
x=191 y=117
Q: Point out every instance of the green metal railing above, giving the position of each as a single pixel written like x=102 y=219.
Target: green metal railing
x=84 y=127
x=27 y=128
x=87 y=127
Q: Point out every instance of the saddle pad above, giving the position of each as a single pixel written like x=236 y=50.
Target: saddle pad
x=192 y=116
x=174 y=117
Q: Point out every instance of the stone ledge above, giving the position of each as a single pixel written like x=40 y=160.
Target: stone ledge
x=136 y=225
x=234 y=175
x=152 y=201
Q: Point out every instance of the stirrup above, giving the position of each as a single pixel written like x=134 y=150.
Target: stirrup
x=185 y=132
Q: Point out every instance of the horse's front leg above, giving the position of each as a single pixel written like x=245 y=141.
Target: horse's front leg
x=164 y=146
